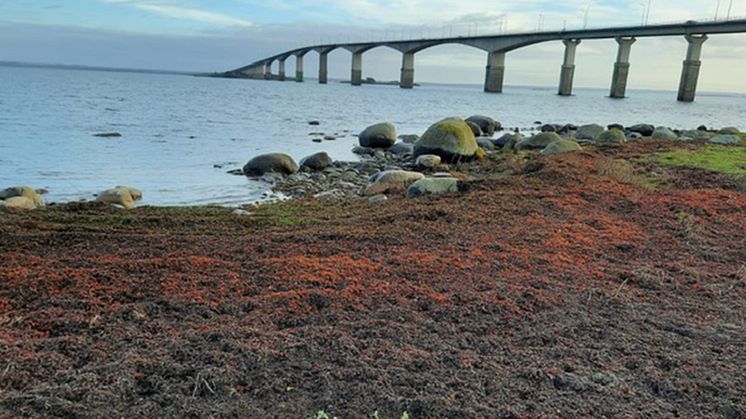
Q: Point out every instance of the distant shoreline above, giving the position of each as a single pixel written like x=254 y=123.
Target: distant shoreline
x=14 y=64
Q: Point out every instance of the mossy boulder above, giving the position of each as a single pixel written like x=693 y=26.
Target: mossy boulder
x=451 y=139
x=663 y=133
x=538 y=141
x=381 y=135
x=122 y=196
x=486 y=125
x=696 y=134
x=589 y=132
x=392 y=181
x=612 y=136
x=273 y=162
x=25 y=192
x=726 y=139
x=432 y=186
x=561 y=146
x=317 y=161
x=730 y=131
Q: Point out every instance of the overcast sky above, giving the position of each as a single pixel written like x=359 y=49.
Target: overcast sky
x=212 y=35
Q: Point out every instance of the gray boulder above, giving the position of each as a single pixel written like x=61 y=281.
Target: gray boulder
x=487 y=125
x=511 y=139
x=589 y=132
x=474 y=128
x=663 y=133
x=428 y=161
x=391 y=180
x=274 y=162
x=486 y=144
x=726 y=139
x=318 y=161
x=696 y=134
x=612 y=136
x=409 y=138
x=401 y=149
x=432 y=186
x=451 y=139
x=561 y=146
x=730 y=131
x=381 y=135
x=646 y=130
x=538 y=141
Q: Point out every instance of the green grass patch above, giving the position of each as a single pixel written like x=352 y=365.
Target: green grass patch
x=715 y=158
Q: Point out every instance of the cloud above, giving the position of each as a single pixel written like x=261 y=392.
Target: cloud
x=185 y=13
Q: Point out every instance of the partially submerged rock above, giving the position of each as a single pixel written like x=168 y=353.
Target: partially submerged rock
x=451 y=139
x=432 y=186
x=318 y=161
x=561 y=146
x=392 y=180
x=274 y=162
x=107 y=135
x=381 y=135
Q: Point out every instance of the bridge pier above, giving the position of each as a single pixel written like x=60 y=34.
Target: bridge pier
x=690 y=72
x=621 y=68
x=299 y=68
x=357 y=69
x=407 y=71
x=323 y=67
x=493 y=80
x=568 y=67
x=281 y=70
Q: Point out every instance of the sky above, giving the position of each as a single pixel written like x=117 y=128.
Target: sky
x=219 y=35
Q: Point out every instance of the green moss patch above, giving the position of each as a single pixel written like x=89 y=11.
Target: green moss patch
x=721 y=159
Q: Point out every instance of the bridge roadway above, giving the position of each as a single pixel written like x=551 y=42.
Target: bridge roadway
x=497 y=46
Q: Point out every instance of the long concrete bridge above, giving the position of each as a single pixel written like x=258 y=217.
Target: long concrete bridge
x=497 y=46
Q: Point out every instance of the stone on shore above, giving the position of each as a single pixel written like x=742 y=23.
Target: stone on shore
x=318 y=161
x=120 y=196
x=663 y=133
x=401 y=149
x=451 y=139
x=538 y=141
x=432 y=186
x=487 y=125
x=589 y=132
x=25 y=192
x=381 y=135
x=509 y=139
x=474 y=128
x=274 y=162
x=561 y=146
x=409 y=138
x=612 y=136
x=646 y=130
x=729 y=131
x=428 y=161
x=486 y=144
x=696 y=134
x=18 y=202
x=392 y=180
x=726 y=139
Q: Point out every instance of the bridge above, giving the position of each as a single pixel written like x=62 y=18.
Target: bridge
x=497 y=46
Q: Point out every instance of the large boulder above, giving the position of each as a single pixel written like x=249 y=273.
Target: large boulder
x=25 y=192
x=589 y=132
x=274 y=162
x=318 y=161
x=646 y=130
x=726 y=139
x=381 y=135
x=487 y=125
x=561 y=146
x=451 y=139
x=663 y=133
x=432 y=186
x=392 y=180
x=612 y=136
x=18 y=202
x=538 y=141
x=122 y=196
x=730 y=131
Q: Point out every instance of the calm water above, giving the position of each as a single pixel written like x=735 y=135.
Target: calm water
x=176 y=129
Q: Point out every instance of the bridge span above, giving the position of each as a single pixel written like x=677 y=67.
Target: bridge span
x=497 y=46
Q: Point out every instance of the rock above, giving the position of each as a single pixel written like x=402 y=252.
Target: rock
x=612 y=136
x=696 y=134
x=314 y=123
x=274 y=162
x=363 y=151
x=729 y=131
x=378 y=136
x=474 y=128
x=549 y=128
x=121 y=196
x=401 y=149
x=433 y=186
x=108 y=135
x=25 y=192
x=18 y=202
x=317 y=140
x=377 y=198
x=510 y=139
x=486 y=144
x=589 y=132
x=409 y=138
x=318 y=161
x=702 y=128
x=235 y=172
x=632 y=135
x=567 y=128
x=663 y=133
x=451 y=139
x=392 y=180
x=428 y=161
x=241 y=213
x=561 y=146
x=646 y=130
x=442 y=174
x=487 y=125
x=725 y=139
x=538 y=141
x=329 y=138
x=620 y=127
